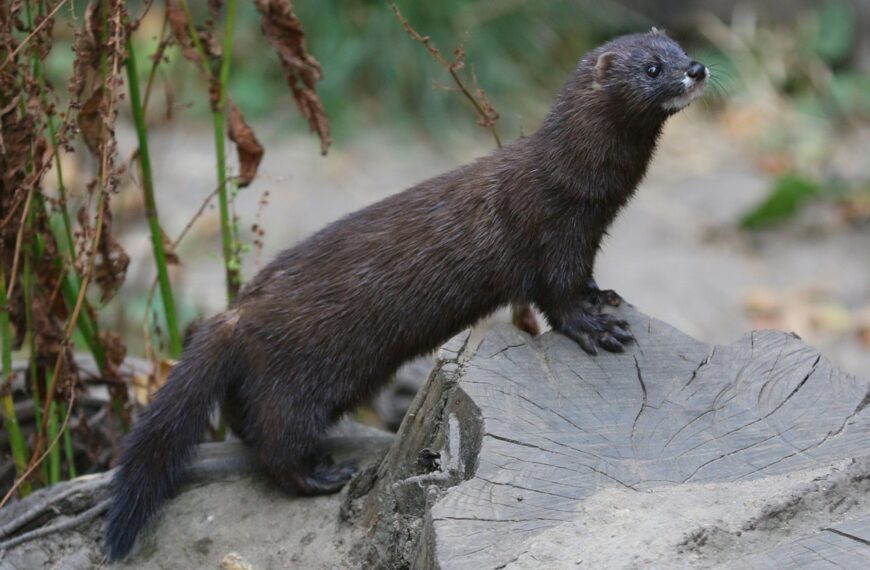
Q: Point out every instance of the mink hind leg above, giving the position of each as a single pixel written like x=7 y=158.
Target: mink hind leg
x=288 y=452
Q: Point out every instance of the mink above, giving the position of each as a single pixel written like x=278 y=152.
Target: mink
x=322 y=327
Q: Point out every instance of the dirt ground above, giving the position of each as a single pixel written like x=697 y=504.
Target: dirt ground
x=674 y=252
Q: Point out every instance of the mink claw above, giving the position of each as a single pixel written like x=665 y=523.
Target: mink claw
x=595 y=329
x=609 y=343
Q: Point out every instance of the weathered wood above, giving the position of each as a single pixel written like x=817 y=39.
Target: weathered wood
x=672 y=453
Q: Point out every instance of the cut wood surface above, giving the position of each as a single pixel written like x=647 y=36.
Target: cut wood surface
x=672 y=454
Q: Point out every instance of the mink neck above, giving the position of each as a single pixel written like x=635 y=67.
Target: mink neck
x=590 y=146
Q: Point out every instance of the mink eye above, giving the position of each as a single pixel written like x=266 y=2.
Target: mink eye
x=653 y=70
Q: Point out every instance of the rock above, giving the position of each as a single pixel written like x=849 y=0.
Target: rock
x=228 y=514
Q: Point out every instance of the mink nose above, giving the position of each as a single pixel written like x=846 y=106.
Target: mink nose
x=697 y=71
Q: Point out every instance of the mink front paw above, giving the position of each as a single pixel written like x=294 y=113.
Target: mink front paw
x=591 y=329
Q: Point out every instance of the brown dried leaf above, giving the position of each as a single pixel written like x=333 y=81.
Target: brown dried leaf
x=284 y=31
x=178 y=24
x=88 y=49
x=47 y=334
x=249 y=148
x=91 y=123
x=110 y=268
x=169 y=249
x=114 y=347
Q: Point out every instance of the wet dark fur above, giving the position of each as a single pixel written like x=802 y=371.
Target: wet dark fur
x=323 y=326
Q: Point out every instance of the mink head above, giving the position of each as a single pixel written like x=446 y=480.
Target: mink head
x=647 y=74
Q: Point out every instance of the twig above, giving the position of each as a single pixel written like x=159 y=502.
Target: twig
x=16 y=254
x=77 y=520
x=29 y=36
x=34 y=464
x=44 y=504
x=487 y=114
x=153 y=287
x=162 y=44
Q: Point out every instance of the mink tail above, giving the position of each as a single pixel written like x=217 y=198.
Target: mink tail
x=163 y=441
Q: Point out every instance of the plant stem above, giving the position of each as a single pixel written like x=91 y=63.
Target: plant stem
x=157 y=245
x=28 y=286
x=231 y=264
x=70 y=454
x=10 y=419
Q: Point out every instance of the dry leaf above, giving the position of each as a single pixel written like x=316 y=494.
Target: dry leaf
x=169 y=249
x=178 y=25
x=110 y=268
x=88 y=50
x=114 y=348
x=284 y=31
x=91 y=123
x=249 y=148
x=146 y=385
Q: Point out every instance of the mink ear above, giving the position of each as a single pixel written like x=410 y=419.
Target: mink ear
x=605 y=62
x=657 y=32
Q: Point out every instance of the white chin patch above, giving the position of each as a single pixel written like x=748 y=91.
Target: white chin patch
x=693 y=91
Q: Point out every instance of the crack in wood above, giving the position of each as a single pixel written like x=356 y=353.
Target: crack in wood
x=643 y=402
x=847 y=535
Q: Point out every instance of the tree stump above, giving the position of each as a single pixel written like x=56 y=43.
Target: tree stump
x=528 y=453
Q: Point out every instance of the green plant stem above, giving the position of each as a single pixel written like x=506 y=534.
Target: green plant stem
x=10 y=418
x=71 y=282
x=70 y=454
x=230 y=262
x=28 y=286
x=54 y=454
x=175 y=344
x=31 y=249
x=218 y=118
x=218 y=107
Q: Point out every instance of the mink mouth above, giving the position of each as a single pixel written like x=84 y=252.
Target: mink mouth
x=693 y=89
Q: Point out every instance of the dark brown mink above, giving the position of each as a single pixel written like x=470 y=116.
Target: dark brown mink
x=325 y=325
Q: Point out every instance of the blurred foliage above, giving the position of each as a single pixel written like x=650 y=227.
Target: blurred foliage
x=789 y=193
x=520 y=52
x=804 y=97
x=798 y=76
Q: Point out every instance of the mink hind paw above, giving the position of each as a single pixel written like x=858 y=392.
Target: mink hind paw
x=601 y=297
x=327 y=477
x=606 y=297
x=591 y=329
